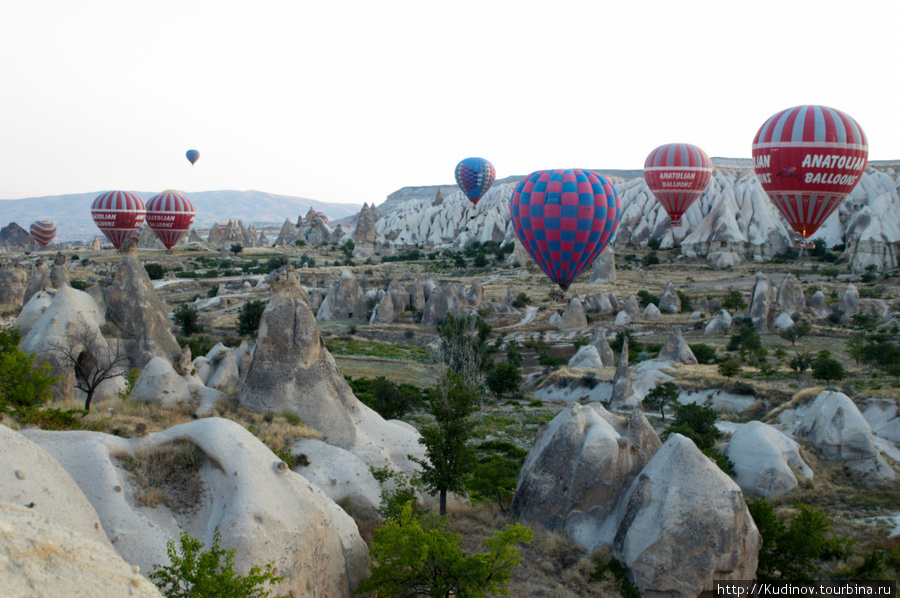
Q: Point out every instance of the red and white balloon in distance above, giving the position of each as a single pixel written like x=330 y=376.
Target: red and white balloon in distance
x=170 y=215
x=118 y=215
x=808 y=159
x=677 y=174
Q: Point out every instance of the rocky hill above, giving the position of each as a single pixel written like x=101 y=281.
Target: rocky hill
x=733 y=220
x=72 y=213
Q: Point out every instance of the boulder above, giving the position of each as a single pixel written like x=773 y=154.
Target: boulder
x=586 y=357
x=39 y=281
x=651 y=313
x=226 y=377
x=883 y=416
x=288 y=234
x=385 y=312
x=577 y=470
x=59 y=274
x=676 y=348
x=13 y=279
x=836 y=428
x=790 y=298
x=134 y=307
x=449 y=297
x=783 y=322
x=598 y=302
x=670 y=302
x=622 y=319
x=574 y=317
x=603 y=269
x=237 y=485
x=475 y=294
x=345 y=300
x=849 y=303
x=632 y=307
x=160 y=384
x=765 y=460
x=32 y=310
x=417 y=294
x=721 y=324
x=684 y=524
x=598 y=339
x=47 y=558
x=614 y=301
x=761 y=303
x=400 y=296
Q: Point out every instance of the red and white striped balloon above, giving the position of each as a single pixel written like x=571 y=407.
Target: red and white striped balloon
x=170 y=215
x=677 y=174
x=118 y=215
x=808 y=159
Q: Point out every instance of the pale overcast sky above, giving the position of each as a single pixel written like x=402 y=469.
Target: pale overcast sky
x=347 y=101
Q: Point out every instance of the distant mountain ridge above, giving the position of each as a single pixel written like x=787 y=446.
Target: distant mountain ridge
x=72 y=213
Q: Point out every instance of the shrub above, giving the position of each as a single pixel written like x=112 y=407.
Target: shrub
x=660 y=396
x=78 y=284
x=730 y=367
x=521 y=300
x=200 y=345
x=22 y=386
x=651 y=259
x=198 y=573
x=827 y=368
x=155 y=271
x=236 y=248
x=646 y=299
x=734 y=301
x=276 y=262
x=187 y=317
x=703 y=352
x=250 y=316
x=685 y=301
x=697 y=423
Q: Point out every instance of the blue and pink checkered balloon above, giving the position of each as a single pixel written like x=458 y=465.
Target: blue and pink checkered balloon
x=475 y=176
x=564 y=218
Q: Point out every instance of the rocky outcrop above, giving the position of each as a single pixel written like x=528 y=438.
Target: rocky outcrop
x=598 y=339
x=676 y=348
x=475 y=294
x=160 y=384
x=39 y=281
x=632 y=307
x=313 y=229
x=59 y=274
x=670 y=302
x=587 y=357
x=44 y=557
x=816 y=305
x=651 y=313
x=721 y=324
x=836 y=428
x=762 y=301
x=603 y=270
x=134 y=307
x=288 y=234
x=684 y=524
x=849 y=303
x=365 y=225
x=622 y=393
x=574 y=317
x=344 y=301
x=449 y=297
x=791 y=299
x=577 y=470
x=261 y=509
x=13 y=279
x=13 y=235
x=765 y=460
x=598 y=302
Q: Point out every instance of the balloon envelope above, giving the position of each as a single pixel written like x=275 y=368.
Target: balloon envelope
x=564 y=218
x=475 y=176
x=42 y=232
x=118 y=215
x=170 y=215
x=808 y=159
x=193 y=156
x=677 y=174
x=323 y=217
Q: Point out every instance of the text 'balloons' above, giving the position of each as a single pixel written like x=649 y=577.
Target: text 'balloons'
x=677 y=174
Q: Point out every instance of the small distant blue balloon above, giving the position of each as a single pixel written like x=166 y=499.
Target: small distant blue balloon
x=193 y=156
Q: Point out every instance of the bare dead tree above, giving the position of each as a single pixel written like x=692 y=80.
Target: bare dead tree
x=94 y=359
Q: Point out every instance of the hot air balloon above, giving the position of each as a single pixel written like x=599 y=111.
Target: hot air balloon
x=118 y=214
x=564 y=218
x=193 y=156
x=42 y=232
x=322 y=216
x=170 y=215
x=677 y=174
x=475 y=176
x=808 y=159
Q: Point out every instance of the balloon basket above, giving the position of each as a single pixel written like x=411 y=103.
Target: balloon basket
x=168 y=252
x=675 y=224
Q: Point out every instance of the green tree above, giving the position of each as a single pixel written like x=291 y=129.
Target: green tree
x=660 y=396
x=495 y=477
x=22 y=385
x=197 y=573
x=800 y=362
x=796 y=332
x=449 y=457
x=703 y=352
x=462 y=351
x=415 y=556
x=514 y=353
x=747 y=338
x=696 y=422
x=827 y=368
x=651 y=259
x=187 y=317
x=390 y=400
x=521 y=300
x=236 y=248
x=791 y=548
x=250 y=316
x=155 y=271
x=503 y=378
x=734 y=301
x=730 y=367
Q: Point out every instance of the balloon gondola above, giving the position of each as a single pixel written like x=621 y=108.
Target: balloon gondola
x=808 y=159
x=564 y=219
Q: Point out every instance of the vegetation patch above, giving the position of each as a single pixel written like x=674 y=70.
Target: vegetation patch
x=168 y=474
